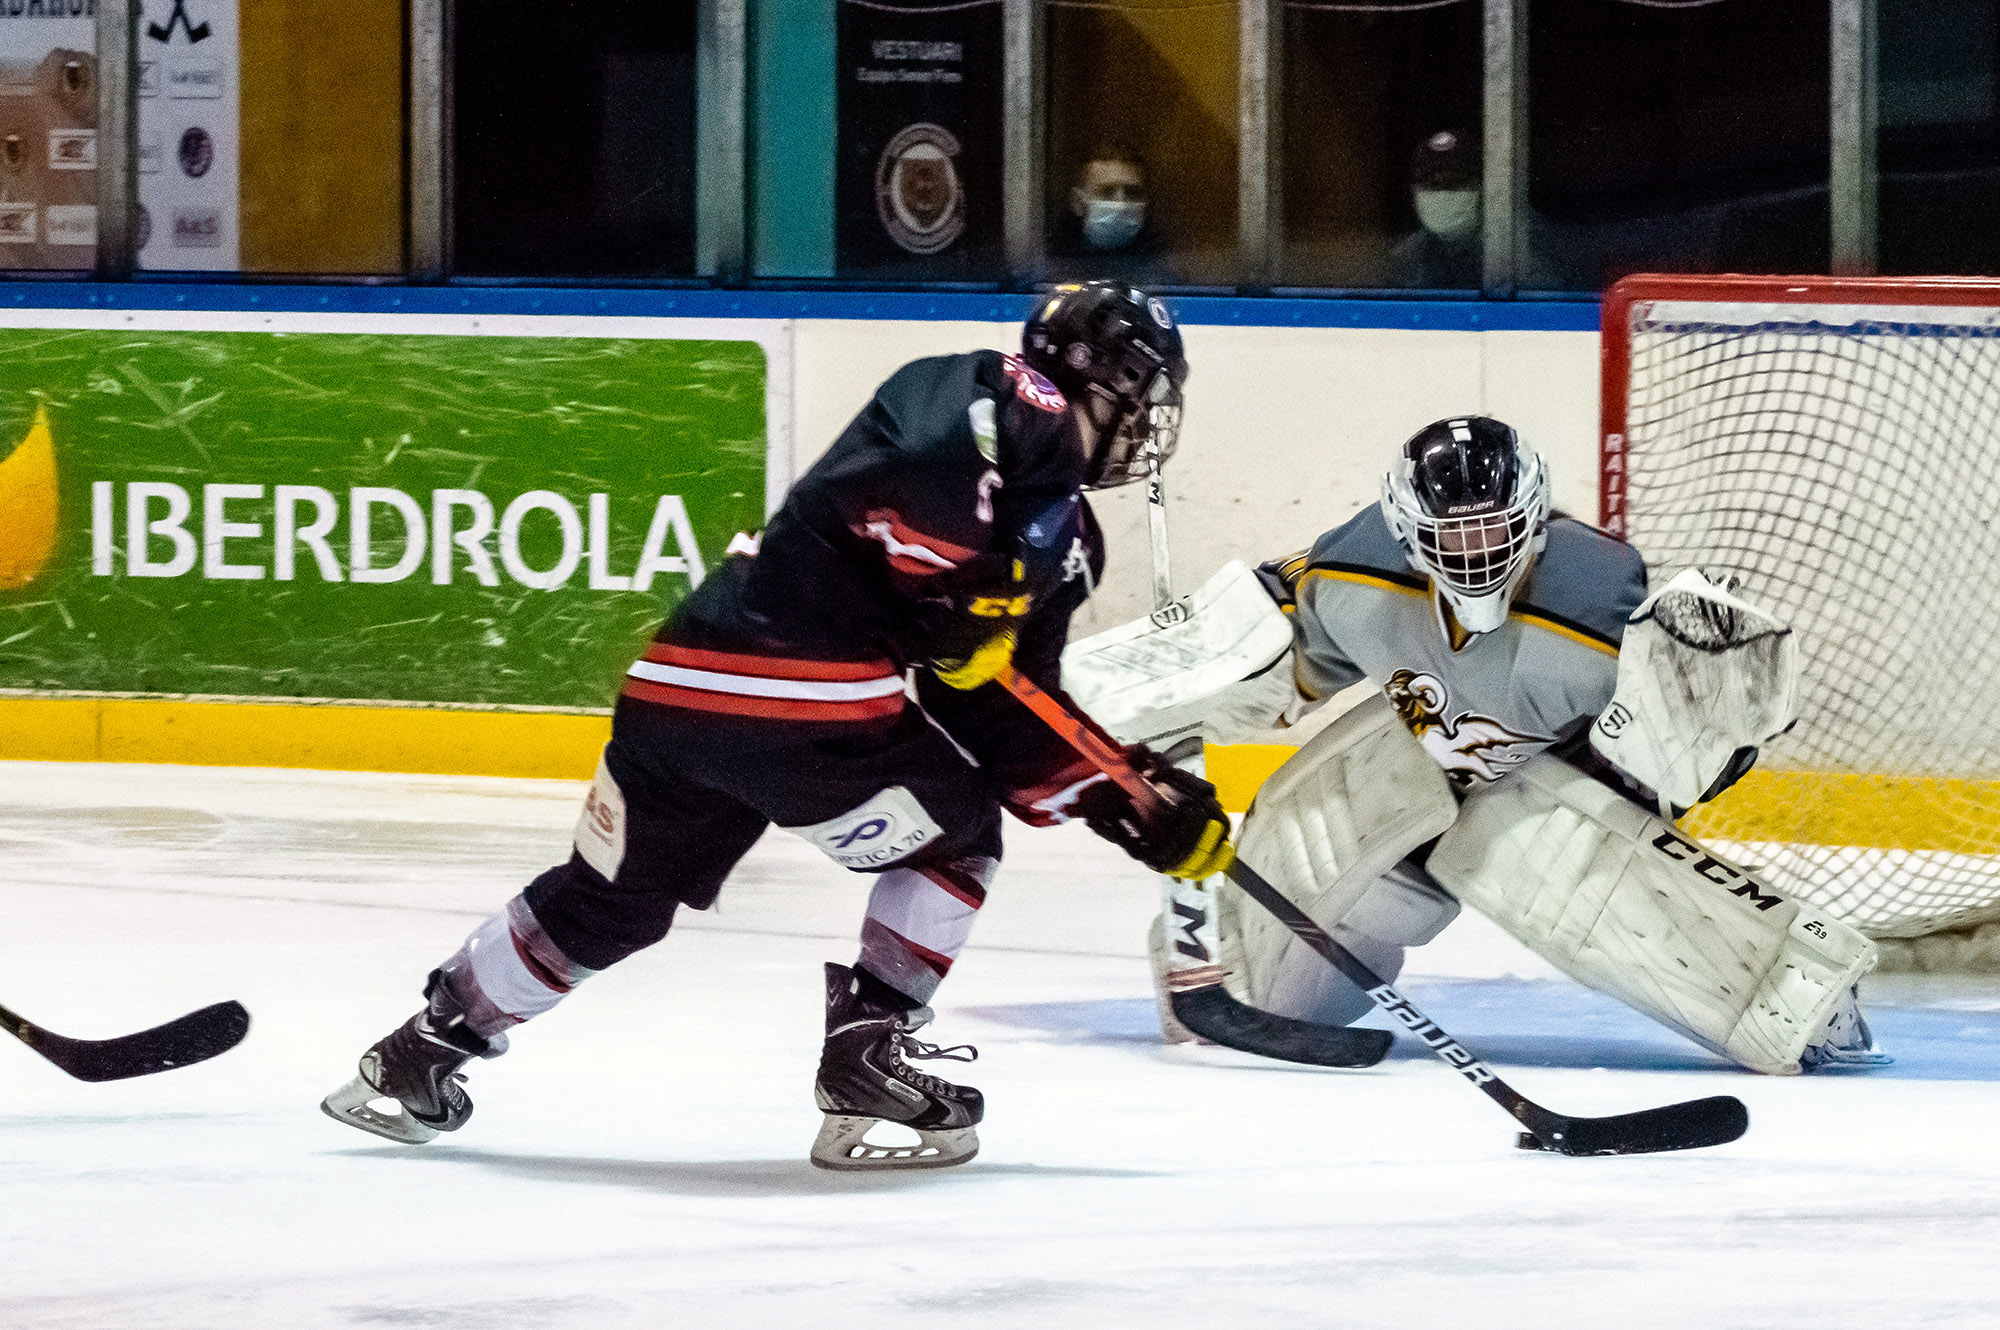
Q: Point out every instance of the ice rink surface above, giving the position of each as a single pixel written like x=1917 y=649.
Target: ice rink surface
x=639 y=1159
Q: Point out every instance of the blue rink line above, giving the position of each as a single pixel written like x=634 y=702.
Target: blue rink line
x=1553 y=1023
x=1437 y=315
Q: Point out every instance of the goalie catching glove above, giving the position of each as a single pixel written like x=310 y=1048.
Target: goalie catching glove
x=1705 y=678
x=1182 y=833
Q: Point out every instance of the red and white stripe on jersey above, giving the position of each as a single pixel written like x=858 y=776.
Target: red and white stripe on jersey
x=1032 y=388
x=1050 y=801
x=919 y=919
x=768 y=686
x=910 y=550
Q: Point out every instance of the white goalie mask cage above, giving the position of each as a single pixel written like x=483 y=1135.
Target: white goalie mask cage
x=1476 y=553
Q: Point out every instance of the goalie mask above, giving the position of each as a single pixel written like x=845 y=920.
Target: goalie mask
x=1469 y=502
x=1115 y=352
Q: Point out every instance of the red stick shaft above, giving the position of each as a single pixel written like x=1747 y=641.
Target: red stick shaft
x=1081 y=735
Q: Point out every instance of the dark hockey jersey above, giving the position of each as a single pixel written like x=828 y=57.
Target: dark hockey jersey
x=1360 y=611
x=959 y=467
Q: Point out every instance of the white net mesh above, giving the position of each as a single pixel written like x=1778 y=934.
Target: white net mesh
x=1844 y=461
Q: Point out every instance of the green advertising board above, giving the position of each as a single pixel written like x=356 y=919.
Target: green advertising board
x=411 y=516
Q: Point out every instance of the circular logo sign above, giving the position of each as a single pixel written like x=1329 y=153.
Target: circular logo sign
x=197 y=152
x=917 y=190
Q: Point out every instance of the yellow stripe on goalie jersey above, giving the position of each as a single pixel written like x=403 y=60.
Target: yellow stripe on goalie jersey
x=1519 y=613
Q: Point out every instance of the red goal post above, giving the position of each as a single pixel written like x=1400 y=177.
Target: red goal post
x=1836 y=443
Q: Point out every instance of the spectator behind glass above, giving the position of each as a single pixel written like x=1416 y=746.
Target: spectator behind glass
x=1444 y=192
x=1106 y=225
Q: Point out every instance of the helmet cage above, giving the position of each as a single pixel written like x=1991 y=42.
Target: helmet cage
x=1475 y=561
x=1142 y=435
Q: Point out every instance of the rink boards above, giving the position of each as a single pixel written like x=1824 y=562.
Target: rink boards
x=182 y=436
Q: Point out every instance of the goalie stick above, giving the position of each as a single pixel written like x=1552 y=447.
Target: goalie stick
x=1690 y=1125
x=192 y=1038
x=1209 y=1011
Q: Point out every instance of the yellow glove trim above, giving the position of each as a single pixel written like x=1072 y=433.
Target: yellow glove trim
x=982 y=666
x=1000 y=607
x=1213 y=855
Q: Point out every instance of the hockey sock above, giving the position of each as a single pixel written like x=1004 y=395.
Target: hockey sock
x=509 y=971
x=918 y=921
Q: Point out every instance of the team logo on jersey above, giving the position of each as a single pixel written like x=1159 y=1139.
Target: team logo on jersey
x=918 y=195
x=1032 y=388
x=1468 y=746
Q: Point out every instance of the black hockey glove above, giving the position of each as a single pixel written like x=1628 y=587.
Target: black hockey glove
x=1185 y=834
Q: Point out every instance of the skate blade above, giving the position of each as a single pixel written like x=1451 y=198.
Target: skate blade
x=353 y=1103
x=840 y=1146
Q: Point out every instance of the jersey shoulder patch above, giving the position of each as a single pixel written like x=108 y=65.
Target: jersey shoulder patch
x=1586 y=581
x=1031 y=387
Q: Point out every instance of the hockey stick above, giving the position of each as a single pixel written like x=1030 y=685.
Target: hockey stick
x=1156 y=522
x=1691 y=1125
x=192 y=1038
x=1208 y=1011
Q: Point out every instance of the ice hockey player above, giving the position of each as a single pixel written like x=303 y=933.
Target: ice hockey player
x=1499 y=635
x=943 y=537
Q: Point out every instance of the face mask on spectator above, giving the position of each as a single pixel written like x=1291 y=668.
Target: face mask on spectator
x=1112 y=223
x=1449 y=214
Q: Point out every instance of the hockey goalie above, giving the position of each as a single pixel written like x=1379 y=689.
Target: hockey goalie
x=1540 y=722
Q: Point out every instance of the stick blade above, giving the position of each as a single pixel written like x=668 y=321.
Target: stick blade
x=1210 y=1012
x=1693 y=1125
x=195 y=1037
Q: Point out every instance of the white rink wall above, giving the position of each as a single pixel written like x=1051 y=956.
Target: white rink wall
x=1288 y=429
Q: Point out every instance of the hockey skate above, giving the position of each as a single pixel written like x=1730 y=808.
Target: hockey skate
x=410 y=1088
x=1847 y=1042
x=864 y=1080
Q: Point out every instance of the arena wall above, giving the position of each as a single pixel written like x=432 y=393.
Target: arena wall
x=1294 y=407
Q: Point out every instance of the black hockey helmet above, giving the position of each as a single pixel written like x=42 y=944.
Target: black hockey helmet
x=1469 y=501
x=1114 y=350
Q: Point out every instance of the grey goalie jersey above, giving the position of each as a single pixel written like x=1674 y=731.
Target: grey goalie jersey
x=1360 y=611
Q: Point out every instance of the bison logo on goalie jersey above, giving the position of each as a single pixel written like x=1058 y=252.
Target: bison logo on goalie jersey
x=1468 y=746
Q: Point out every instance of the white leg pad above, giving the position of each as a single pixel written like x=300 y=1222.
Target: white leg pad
x=1328 y=830
x=1630 y=906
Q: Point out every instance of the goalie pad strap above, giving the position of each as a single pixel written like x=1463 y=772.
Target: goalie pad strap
x=1625 y=903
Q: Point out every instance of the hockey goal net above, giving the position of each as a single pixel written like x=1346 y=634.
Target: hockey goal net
x=1836 y=444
